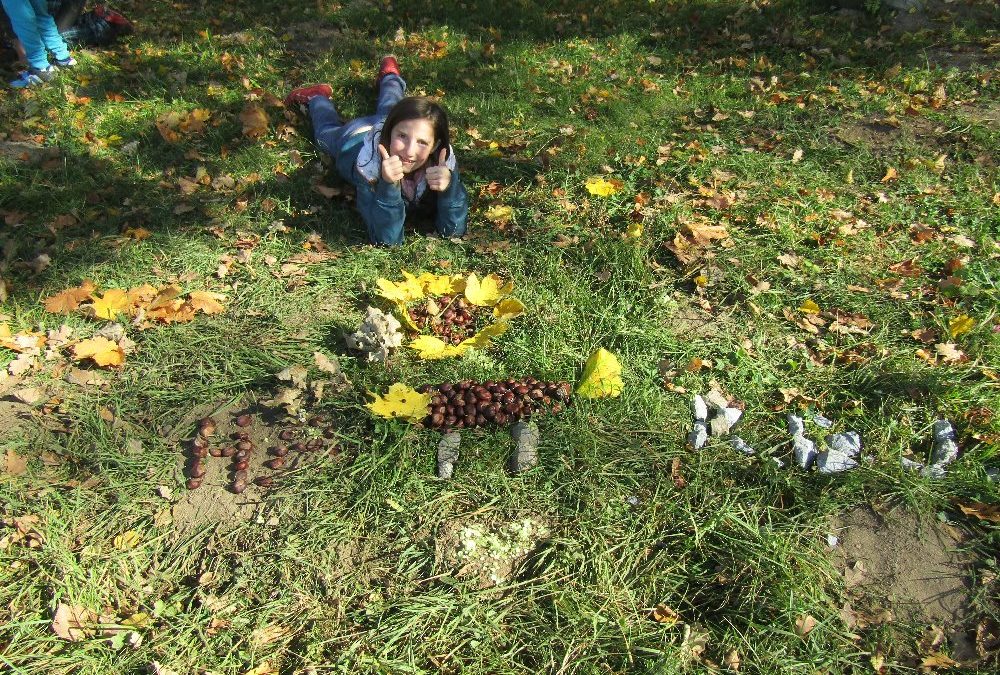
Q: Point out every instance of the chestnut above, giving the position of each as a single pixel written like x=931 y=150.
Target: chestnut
x=242 y=465
x=279 y=450
x=275 y=463
x=206 y=426
x=196 y=470
x=286 y=435
x=215 y=451
x=244 y=421
x=193 y=483
x=244 y=445
x=264 y=481
x=228 y=451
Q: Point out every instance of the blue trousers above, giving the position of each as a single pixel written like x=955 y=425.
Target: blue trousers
x=36 y=29
x=329 y=130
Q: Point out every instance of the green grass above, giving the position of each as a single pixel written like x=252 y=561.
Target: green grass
x=350 y=558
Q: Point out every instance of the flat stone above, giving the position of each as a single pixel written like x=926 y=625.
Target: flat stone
x=909 y=465
x=699 y=434
x=832 y=461
x=847 y=443
x=823 y=422
x=447 y=453
x=795 y=425
x=525 y=454
x=804 y=450
x=699 y=409
x=732 y=416
x=739 y=445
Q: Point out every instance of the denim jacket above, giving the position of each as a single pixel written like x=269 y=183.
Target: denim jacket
x=383 y=206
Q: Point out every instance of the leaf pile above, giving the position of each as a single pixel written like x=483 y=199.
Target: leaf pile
x=145 y=305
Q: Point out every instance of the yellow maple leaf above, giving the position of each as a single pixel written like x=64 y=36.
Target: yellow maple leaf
x=809 y=307
x=499 y=214
x=440 y=284
x=488 y=292
x=100 y=350
x=127 y=540
x=890 y=174
x=401 y=402
x=206 y=301
x=431 y=348
x=68 y=300
x=600 y=187
x=602 y=376
x=401 y=291
x=633 y=231
x=961 y=325
x=508 y=308
x=115 y=301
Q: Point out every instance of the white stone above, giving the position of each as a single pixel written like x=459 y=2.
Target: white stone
x=739 y=445
x=834 y=462
x=909 y=465
x=933 y=471
x=698 y=408
x=805 y=451
x=699 y=434
x=822 y=422
x=944 y=450
x=795 y=425
x=848 y=443
x=732 y=416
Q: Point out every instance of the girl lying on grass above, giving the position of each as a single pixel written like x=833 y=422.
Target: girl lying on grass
x=399 y=159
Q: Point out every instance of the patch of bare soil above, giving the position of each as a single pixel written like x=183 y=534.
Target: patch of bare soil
x=684 y=318
x=880 y=137
x=899 y=567
x=490 y=553
x=938 y=14
x=215 y=501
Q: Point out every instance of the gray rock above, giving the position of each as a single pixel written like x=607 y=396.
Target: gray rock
x=993 y=473
x=945 y=449
x=732 y=416
x=525 y=454
x=832 y=461
x=909 y=465
x=795 y=425
x=739 y=445
x=778 y=463
x=699 y=434
x=719 y=425
x=848 y=443
x=698 y=408
x=822 y=422
x=447 y=454
x=804 y=450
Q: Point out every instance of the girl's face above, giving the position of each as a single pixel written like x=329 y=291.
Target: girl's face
x=412 y=141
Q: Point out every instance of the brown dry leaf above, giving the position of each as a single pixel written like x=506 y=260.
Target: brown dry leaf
x=890 y=175
x=804 y=625
x=264 y=668
x=14 y=464
x=937 y=660
x=254 y=119
x=265 y=635
x=206 y=301
x=68 y=300
x=663 y=614
x=950 y=353
x=675 y=474
x=789 y=260
x=100 y=350
x=73 y=622
x=732 y=660
x=990 y=512
x=29 y=395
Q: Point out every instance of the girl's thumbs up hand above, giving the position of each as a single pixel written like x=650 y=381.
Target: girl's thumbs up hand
x=392 y=167
x=439 y=177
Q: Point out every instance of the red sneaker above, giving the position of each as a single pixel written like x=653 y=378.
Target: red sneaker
x=302 y=95
x=387 y=65
x=123 y=25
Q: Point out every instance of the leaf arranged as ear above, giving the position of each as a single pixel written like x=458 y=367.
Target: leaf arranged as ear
x=602 y=376
x=488 y=291
x=401 y=402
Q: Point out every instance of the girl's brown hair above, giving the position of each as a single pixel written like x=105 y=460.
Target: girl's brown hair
x=419 y=107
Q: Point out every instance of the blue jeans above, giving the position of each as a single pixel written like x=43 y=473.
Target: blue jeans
x=36 y=29
x=330 y=132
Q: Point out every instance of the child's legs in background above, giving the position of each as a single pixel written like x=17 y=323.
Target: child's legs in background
x=23 y=22
x=390 y=89
x=329 y=131
x=48 y=31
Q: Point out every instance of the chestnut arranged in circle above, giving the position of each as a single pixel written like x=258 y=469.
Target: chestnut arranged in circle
x=455 y=322
x=468 y=404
